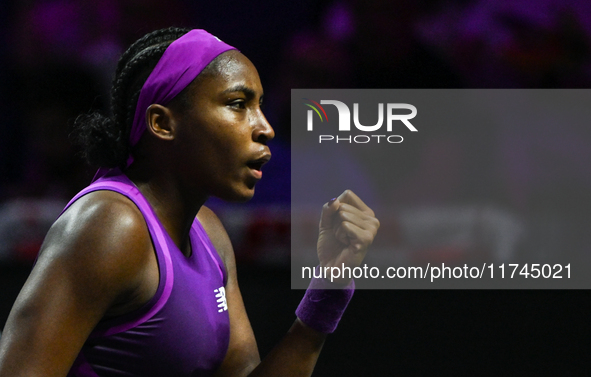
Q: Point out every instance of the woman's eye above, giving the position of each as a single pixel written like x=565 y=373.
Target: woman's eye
x=238 y=104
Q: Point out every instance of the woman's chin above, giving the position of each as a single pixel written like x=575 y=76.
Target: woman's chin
x=238 y=196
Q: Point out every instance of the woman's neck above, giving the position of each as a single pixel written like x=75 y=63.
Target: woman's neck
x=175 y=205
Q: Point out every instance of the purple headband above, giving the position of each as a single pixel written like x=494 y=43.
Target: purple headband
x=180 y=64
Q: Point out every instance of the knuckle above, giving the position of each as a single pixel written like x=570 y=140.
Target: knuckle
x=347 y=195
x=347 y=225
x=376 y=223
x=343 y=215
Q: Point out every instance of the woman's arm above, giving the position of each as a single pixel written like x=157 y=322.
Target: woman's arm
x=295 y=355
x=91 y=262
x=347 y=228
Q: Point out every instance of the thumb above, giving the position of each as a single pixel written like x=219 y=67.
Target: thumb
x=328 y=211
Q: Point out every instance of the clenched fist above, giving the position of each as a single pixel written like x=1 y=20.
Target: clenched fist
x=347 y=228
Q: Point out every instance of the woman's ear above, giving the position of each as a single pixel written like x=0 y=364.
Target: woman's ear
x=160 y=122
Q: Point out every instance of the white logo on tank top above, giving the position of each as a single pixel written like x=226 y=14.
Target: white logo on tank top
x=221 y=299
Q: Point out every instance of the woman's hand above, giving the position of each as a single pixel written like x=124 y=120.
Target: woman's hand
x=347 y=228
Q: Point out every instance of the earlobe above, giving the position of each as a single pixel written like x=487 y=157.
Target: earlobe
x=160 y=122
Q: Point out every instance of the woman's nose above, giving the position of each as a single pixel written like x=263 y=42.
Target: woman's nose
x=263 y=132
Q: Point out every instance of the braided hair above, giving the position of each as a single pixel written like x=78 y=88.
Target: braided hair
x=104 y=139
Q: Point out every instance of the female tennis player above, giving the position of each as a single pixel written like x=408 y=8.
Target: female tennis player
x=137 y=277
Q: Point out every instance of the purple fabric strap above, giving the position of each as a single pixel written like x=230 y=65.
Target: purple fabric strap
x=323 y=304
x=180 y=64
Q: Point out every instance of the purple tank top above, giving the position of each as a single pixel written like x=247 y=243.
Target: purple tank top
x=184 y=329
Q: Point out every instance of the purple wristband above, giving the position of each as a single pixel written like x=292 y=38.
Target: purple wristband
x=323 y=304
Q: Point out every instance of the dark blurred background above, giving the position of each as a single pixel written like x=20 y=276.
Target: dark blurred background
x=56 y=61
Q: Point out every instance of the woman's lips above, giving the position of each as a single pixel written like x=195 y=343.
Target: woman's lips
x=256 y=165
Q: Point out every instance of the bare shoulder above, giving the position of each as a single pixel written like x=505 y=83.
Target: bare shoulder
x=217 y=234
x=102 y=236
x=99 y=219
x=93 y=263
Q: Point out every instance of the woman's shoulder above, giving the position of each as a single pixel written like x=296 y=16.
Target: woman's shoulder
x=92 y=264
x=102 y=217
x=102 y=234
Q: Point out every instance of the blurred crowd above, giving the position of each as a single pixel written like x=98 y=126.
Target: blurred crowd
x=57 y=58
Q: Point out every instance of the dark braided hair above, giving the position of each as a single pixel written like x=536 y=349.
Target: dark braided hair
x=105 y=139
